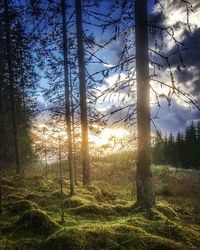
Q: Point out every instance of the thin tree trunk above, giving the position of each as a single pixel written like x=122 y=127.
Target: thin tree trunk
x=12 y=88
x=83 y=96
x=46 y=163
x=67 y=98
x=2 y=152
x=61 y=182
x=145 y=190
x=73 y=132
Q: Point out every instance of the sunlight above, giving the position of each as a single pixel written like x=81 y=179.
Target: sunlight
x=108 y=136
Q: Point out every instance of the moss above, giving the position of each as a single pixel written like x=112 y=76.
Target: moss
x=7 y=244
x=109 y=237
x=104 y=196
x=31 y=222
x=94 y=210
x=75 y=201
x=167 y=210
x=29 y=244
x=82 y=238
x=7 y=189
x=164 y=189
x=33 y=196
x=21 y=206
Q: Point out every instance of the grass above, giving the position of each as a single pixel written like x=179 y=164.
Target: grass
x=99 y=216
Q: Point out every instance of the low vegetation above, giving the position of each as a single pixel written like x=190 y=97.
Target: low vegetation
x=100 y=216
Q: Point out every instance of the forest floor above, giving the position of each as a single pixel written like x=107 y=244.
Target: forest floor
x=100 y=216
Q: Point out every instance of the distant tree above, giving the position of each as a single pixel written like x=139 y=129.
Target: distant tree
x=171 y=149
x=158 y=149
x=191 y=147
x=179 y=149
x=18 y=81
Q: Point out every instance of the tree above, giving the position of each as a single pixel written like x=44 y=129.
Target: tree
x=67 y=97
x=191 y=147
x=145 y=189
x=83 y=96
x=158 y=149
x=12 y=86
x=179 y=147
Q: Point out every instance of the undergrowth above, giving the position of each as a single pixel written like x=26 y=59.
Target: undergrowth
x=94 y=218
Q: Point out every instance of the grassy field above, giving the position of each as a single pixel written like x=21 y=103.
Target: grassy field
x=100 y=216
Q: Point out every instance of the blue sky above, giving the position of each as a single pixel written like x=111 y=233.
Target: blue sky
x=178 y=115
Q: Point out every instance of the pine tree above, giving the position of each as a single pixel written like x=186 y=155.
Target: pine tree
x=179 y=149
x=158 y=149
x=67 y=97
x=145 y=190
x=83 y=95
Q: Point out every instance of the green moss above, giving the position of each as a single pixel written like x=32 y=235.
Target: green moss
x=167 y=210
x=7 y=244
x=104 y=196
x=21 y=206
x=109 y=237
x=164 y=190
x=94 y=210
x=31 y=222
x=75 y=201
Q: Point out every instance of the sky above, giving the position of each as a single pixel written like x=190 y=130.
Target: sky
x=186 y=71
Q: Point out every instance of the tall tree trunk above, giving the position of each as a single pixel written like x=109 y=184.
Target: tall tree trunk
x=73 y=131
x=12 y=88
x=45 y=153
x=83 y=96
x=61 y=181
x=67 y=98
x=2 y=149
x=145 y=190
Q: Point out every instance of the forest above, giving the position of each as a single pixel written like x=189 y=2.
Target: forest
x=99 y=125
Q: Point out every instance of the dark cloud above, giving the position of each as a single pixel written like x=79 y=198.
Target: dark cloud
x=174 y=118
x=190 y=50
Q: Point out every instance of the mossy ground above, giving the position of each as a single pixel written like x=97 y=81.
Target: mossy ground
x=95 y=218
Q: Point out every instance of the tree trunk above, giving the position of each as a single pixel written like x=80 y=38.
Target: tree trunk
x=61 y=181
x=12 y=88
x=73 y=132
x=2 y=149
x=45 y=159
x=67 y=98
x=83 y=97
x=145 y=190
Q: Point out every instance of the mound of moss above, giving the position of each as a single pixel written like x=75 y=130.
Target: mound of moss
x=76 y=201
x=119 y=236
x=33 y=222
x=21 y=206
x=105 y=196
x=94 y=210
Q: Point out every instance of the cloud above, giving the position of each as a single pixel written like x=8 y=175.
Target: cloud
x=174 y=118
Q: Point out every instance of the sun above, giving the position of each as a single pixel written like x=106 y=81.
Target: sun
x=108 y=136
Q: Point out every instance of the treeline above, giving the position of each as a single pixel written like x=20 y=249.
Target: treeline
x=17 y=86
x=182 y=150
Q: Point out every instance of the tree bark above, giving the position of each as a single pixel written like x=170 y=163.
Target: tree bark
x=73 y=131
x=83 y=96
x=61 y=181
x=2 y=150
x=67 y=98
x=12 y=88
x=145 y=189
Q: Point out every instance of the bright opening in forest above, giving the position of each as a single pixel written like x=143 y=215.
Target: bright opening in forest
x=99 y=125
